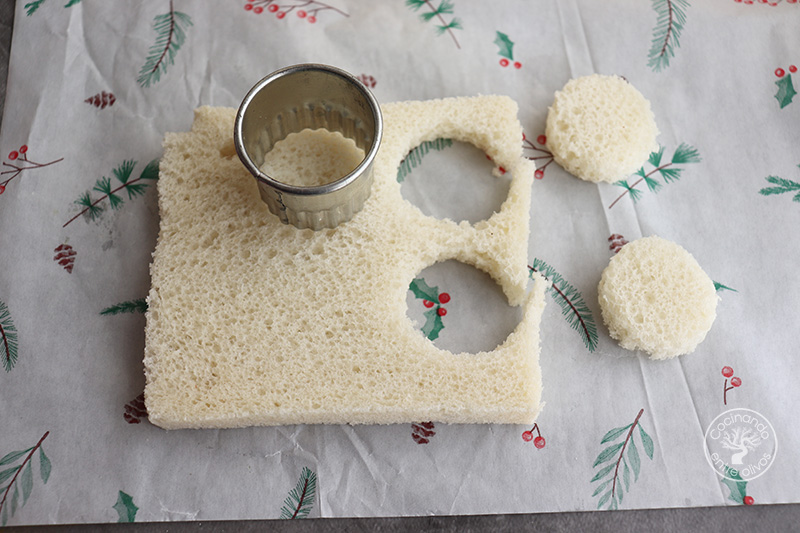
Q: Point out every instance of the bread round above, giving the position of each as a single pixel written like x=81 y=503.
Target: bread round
x=655 y=297
x=600 y=128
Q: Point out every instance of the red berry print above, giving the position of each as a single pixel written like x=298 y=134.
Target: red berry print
x=734 y=383
x=281 y=14
x=748 y=500
x=248 y=7
x=19 y=164
x=441 y=311
x=258 y=10
x=302 y=14
x=793 y=68
x=541 y=154
x=312 y=19
x=517 y=65
x=539 y=441
x=444 y=298
x=427 y=303
x=504 y=62
x=273 y=8
x=779 y=72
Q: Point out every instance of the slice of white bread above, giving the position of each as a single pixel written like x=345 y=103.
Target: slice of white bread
x=600 y=128
x=252 y=322
x=655 y=297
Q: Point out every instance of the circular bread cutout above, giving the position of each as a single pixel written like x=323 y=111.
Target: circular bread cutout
x=460 y=308
x=448 y=179
x=655 y=297
x=600 y=128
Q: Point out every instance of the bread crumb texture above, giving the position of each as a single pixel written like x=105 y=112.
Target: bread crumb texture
x=600 y=128
x=252 y=322
x=655 y=297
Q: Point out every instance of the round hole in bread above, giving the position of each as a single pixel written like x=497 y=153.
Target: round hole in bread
x=460 y=308
x=452 y=179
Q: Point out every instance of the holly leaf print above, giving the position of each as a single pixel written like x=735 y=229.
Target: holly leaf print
x=125 y=508
x=505 y=45
x=786 y=91
x=433 y=324
x=422 y=290
x=737 y=486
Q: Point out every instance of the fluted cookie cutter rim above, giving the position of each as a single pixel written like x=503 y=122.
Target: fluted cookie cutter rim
x=309 y=95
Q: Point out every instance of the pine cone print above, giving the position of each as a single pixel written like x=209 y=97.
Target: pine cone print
x=101 y=100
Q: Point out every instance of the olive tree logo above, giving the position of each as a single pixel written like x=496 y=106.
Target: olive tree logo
x=740 y=444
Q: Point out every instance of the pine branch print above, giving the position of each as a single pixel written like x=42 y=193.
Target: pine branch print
x=300 y=500
x=22 y=473
x=130 y=306
x=32 y=7
x=170 y=31
x=781 y=186
x=445 y=8
x=620 y=482
x=720 y=287
x=669 y=172
x=414 y=158
x=8 y=339
x=569 y=299
x=92 y=207
x=670 y=20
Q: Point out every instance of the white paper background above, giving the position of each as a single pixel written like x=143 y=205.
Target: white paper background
x=77 y=369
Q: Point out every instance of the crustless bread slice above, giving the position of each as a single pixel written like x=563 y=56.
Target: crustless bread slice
x=252 y=322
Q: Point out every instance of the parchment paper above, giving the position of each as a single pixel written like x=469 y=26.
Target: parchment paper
x=72 y=390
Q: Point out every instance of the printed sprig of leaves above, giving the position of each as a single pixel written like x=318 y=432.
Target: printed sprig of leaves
x=669 y=172
x=720 y=287
x=736 y=485
x=20 y=477
x=786 y=91
x=781 y=186
x=670 y=20
x=300 y=500
x=445 y=7
x=109 y=190
x=613 y=488
x=433 y=321
x=170 y=31
x=9 y=346
x=505 y=45
x=125 y=508
x=130 y=306
x=414 y=158
x=32 y=7
x=569 y=299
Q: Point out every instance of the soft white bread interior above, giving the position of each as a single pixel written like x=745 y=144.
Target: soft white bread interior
x=252 y=322
x=600 y=128
x=655 y=297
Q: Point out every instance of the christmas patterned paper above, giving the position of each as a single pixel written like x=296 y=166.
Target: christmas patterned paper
x=95 y=84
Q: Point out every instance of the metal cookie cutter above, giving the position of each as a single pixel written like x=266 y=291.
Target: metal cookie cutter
x=309 y=96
